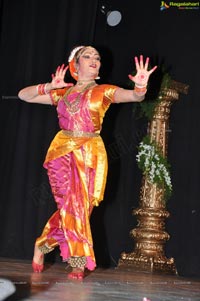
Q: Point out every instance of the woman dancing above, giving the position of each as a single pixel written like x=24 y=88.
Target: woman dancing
x=76 y=160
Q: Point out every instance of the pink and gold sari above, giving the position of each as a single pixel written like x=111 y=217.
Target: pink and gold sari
x=76 y=163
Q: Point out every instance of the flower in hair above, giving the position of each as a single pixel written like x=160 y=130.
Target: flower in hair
x=73 y=52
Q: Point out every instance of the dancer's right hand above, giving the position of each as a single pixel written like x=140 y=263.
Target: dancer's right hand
x=58 y=78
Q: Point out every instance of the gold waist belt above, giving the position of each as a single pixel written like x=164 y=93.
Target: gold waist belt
x=79 y=133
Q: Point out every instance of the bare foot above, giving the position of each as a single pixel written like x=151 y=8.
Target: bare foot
x=38 y=256
x=77 y=273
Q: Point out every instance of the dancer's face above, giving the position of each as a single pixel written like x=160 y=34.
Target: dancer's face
x=88 y=63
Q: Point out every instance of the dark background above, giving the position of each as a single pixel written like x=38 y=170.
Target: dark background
x=37 y=36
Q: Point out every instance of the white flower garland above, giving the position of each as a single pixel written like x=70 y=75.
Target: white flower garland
x=73 y=52
x=154 y=165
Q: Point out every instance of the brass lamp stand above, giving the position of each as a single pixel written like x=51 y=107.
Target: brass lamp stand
x=150 y=235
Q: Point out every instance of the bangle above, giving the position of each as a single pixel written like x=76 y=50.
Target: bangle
x=140 y=86
x=45 y=88
x=140 y=90
x=42 y=89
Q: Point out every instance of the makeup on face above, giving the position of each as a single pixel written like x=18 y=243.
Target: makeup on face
x=91 y=53
x=89 y=61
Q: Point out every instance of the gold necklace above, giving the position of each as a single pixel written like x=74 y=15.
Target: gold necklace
x=73 y=107
x=82 y=82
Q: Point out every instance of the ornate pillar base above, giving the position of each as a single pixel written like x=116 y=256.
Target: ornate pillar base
x=150 y=238
x=136 y=262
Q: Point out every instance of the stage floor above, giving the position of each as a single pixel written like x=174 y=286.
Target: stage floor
x=100 y=285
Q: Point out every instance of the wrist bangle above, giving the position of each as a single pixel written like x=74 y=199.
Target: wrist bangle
x=141 y=86
x=42 y=89
x=140 y=90
x=45 y=89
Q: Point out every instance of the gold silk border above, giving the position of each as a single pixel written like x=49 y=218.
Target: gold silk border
x=96 y=158
x=56 y=95
x=100 y=99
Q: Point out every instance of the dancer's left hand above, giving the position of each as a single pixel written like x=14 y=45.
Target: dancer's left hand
x=142 y=76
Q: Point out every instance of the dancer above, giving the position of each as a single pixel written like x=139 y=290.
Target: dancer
x=76 y=160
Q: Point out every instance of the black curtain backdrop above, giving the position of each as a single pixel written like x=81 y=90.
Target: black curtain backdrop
x=36 y=36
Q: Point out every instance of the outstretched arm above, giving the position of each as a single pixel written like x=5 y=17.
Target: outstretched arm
x=140 y=80
x=40 y=93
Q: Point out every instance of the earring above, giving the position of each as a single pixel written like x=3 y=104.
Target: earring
x=98 y=77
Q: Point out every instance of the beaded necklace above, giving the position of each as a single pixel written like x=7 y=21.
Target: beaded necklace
x=73 y=107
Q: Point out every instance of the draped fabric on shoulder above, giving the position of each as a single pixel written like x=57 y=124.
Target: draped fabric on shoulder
x=76 y=164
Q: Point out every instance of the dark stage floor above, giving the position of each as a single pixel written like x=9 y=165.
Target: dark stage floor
x=100 y=285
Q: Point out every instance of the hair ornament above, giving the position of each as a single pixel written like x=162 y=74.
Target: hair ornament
x=73 y=52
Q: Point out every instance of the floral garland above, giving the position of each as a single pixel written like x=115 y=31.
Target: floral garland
x=154 y=165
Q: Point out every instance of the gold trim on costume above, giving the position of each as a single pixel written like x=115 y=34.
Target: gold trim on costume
x=79 y=133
